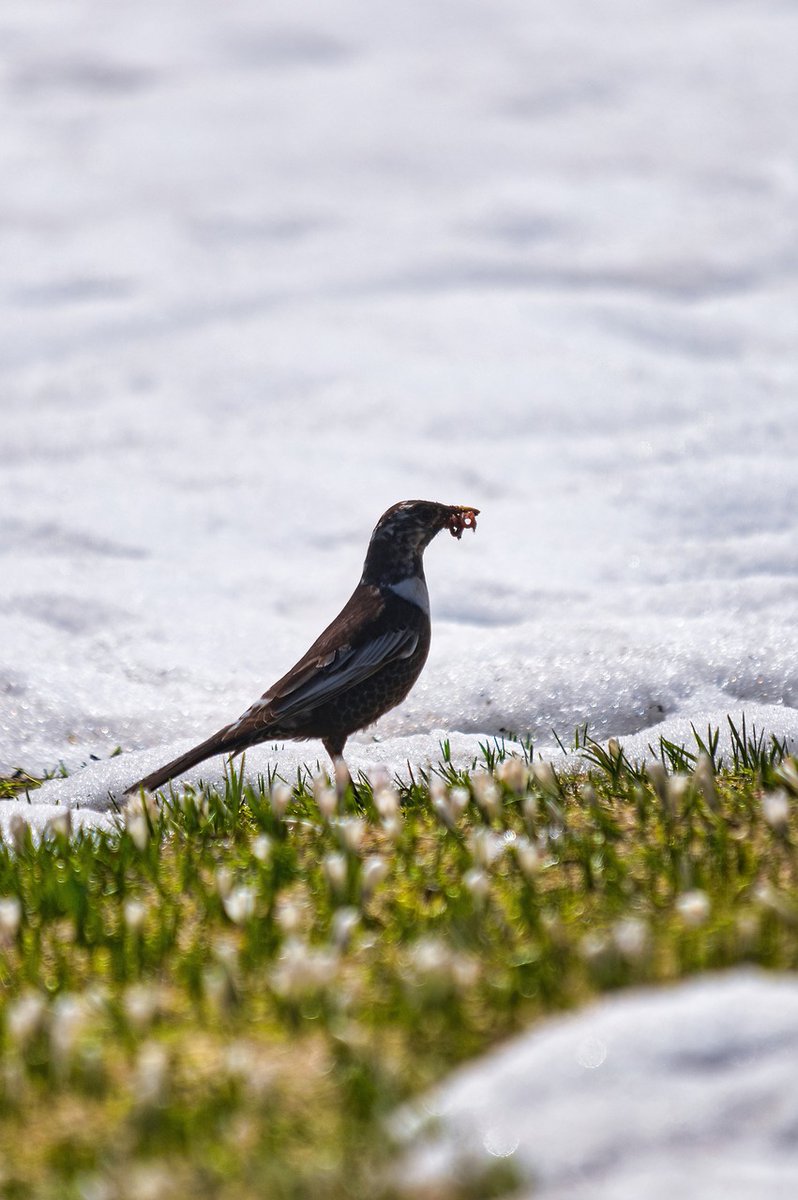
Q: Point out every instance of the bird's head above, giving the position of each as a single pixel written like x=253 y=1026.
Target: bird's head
x=403 y=533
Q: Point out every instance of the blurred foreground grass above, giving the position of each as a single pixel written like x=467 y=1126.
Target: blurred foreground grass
x=227 y=997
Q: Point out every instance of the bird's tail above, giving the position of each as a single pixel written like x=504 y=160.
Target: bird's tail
x=218 y=743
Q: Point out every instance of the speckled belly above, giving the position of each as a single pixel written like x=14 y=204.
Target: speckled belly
x=363 y=704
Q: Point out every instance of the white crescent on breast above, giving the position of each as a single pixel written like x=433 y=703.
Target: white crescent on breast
x=414 y=590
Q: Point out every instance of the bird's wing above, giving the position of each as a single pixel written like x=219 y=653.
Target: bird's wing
x=322 y=679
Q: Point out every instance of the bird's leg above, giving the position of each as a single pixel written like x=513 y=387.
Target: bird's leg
x=345 y=783
x=334 y=746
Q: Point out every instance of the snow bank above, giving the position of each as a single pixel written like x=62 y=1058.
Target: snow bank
x=686 y=1091
x=265 y=273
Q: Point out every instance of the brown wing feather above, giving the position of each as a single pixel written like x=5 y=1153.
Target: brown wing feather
x=332 y=666
x=363 y=606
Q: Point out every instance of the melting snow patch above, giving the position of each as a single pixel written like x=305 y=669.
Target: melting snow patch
x=687 y=1090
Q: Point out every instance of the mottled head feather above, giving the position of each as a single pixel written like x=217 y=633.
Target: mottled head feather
x=403 y=533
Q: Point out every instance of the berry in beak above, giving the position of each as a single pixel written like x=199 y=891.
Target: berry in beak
x=462 y=518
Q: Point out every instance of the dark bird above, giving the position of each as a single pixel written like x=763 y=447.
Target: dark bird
x=364 y=663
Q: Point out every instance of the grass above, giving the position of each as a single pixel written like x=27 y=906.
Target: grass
x=228 y=996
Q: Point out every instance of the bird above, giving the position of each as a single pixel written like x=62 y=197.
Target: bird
x=366 y=660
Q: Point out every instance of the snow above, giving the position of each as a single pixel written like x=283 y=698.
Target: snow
x=686 y=1091
x=265 y=272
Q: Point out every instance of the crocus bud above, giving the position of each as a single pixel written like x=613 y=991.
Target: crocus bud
x=375 y=869
x=280 y=797
x=694 y=907
x=776 y=810
x=10 y=916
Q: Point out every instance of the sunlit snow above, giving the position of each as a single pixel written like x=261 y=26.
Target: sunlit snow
x=265 y=270
x=687 y=1091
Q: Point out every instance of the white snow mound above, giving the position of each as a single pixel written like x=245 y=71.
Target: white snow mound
x=687 y=1090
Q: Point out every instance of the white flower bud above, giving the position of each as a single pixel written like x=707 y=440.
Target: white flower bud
x=777 y=902
x=289 y=916
x=378 y=779
x=138 y=829
x=788 y=771
x=514 y=774
x=658 y=778
x=465 y=971
x=262 y=848
x=386 y=802
x=748 y=926
x=239 y=904
x=436 y=967
x=225 y=951
x=438 y=787
x=189 y=803
x=10 y=916
x=18 y=829
x=529 y=811
x=486 y=794
x=776 y=810
x=677 y=787
x=392 y=828
x=242 y=1062
x=151 y=1075
x=327 y=802
x=528 y=856
x=430 y=962
x=140 y=1003
x=545 y=777
x=59 y=825
x=66 y=1022
x=486 y=846
x=694 y=907
x=596 y=949
x=301 y=970
x=375 y=869
x=477 y=883
x=632 y=938
x=280 y=798
x=588 y=796
x=148 y=1181
x=344 y=923
x=705 y=780
x=218 y=987
x=459 y=798
x=25 y=1017
x=443 y=811
x=134 y=913
x=224 y=881
x=352 y=831
x=335 y=869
